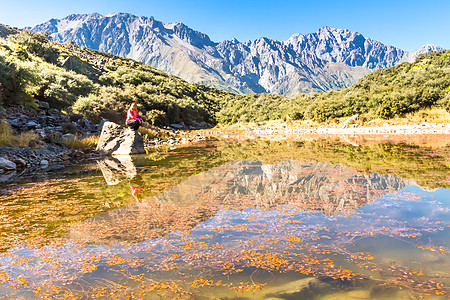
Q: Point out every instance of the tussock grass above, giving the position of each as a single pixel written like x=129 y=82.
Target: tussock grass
x=432 y=115
x=6 y=134
x=8 y=138
x=147 y=133
x=83 y=143
x=23 y=140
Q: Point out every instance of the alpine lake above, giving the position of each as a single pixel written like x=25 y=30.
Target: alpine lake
x=238 y=218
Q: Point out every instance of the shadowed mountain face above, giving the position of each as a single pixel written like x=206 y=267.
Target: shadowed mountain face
x=330 y=189
x=328 y=59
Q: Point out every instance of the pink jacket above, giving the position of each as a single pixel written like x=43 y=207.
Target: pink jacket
x=133 y=115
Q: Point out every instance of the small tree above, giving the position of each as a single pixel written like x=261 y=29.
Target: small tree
x=156 y=117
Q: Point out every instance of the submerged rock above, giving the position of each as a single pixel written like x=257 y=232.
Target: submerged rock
x=306 y=288
x=117 y=140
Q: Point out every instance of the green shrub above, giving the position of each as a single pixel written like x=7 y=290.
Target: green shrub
x=12 y=83
x=58 y=87
x=69 y=128
x=444 y=102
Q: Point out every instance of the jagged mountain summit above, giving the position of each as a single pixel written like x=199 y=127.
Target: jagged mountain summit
x=328 y=59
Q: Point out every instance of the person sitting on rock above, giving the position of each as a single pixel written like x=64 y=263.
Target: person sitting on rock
x=133 y=121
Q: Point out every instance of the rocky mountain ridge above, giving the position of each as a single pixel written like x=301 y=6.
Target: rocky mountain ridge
x=328 y=59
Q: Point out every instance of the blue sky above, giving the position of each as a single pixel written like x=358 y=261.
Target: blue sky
x=404 y=24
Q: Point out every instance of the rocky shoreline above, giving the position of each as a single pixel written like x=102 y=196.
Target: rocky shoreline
x=49 y=151
x=52 y=130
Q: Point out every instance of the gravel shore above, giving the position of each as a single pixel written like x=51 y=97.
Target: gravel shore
x=287 y=129
x=388 y=129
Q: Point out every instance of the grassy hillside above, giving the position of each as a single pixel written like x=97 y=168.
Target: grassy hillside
x=97 y=84
x=101 y=85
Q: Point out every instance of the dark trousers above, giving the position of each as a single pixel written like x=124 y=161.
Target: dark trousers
x=133 y=124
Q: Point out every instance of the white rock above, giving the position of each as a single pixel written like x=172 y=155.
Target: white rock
x=114 y=139
x=6 y=164
x=44 y=163
x=68 y=136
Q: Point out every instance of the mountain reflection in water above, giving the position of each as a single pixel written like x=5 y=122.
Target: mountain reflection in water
x=238 y=185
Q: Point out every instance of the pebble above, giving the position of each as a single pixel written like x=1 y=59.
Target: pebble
x=44 y=163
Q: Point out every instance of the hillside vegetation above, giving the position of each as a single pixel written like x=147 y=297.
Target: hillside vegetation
x=385 y=93
x=100 y=85
x=96 y=84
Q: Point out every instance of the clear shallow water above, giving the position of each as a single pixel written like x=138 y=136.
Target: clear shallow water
x=244 y=221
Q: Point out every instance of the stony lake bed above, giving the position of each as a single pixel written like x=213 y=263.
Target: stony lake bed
x=313 y=217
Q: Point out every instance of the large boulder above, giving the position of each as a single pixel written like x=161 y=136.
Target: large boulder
x=117 y=140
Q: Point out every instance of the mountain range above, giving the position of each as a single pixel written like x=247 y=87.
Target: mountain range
x=327 y=59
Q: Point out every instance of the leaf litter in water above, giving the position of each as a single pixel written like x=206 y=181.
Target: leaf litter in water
x=290 y=227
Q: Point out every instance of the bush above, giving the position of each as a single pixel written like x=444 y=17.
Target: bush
x=58 y=87
x=12 y=83
x=444 y=102
x=156 y=117
x=89 y=106
x=69 y=128
x=102 y=104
